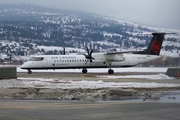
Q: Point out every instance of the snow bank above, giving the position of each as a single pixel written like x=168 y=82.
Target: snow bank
x=156 y=77
x=70 y=84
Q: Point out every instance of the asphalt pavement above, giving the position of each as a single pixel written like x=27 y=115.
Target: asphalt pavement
x=80 y=110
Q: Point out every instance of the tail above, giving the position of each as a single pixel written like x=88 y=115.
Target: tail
x=155 y=45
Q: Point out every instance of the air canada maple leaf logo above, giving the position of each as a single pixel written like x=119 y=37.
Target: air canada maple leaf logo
x=156 y=46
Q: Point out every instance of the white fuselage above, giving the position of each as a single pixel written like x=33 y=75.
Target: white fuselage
x=79 y=61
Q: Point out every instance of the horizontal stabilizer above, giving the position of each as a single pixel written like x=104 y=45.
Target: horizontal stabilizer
x=161 y=33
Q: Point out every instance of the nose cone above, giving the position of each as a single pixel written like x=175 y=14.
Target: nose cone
x=25 y=66
x=22 y=66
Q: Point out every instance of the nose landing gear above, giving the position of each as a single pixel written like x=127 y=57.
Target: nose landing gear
x=29 y=71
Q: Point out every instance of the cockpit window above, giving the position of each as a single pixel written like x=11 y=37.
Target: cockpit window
x=36 y=59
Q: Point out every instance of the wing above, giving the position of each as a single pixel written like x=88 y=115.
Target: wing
x=121 y=52
x=114 y=57
x=111 y=57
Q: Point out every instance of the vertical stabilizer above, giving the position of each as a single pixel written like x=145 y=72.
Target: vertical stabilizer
x=155 y=45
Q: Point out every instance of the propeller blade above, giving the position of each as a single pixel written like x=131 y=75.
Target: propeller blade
x=91 y=51
x=84 y=54
x=60 y=52
x=86 y=62
x=64 y=52
x=87 y=50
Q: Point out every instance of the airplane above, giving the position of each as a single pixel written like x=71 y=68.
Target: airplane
x=98 y=60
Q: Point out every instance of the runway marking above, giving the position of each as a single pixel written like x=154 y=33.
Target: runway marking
x=51 y=105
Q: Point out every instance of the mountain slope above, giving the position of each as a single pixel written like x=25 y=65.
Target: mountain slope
x=32 y=25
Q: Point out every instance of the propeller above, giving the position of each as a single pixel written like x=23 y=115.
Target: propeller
x=63 y=52
x=89 y=55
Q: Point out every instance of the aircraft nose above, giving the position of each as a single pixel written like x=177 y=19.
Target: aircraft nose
x=24 y=66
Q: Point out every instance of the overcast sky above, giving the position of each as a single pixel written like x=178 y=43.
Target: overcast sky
x=155 y=13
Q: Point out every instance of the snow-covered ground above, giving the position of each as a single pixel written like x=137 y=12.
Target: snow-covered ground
x=70 y=83
x=152 y=77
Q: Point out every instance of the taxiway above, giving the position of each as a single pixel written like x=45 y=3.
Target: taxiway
x=56 y=110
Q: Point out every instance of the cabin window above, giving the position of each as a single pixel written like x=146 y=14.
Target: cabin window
x=37 y=59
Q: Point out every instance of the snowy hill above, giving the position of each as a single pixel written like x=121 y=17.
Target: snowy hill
x=29 y=30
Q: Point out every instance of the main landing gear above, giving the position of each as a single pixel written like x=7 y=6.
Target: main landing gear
x=84 y=70
x=29 y=71
x=111 y=71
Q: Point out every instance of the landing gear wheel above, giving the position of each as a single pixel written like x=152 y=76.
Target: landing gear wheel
x=29 y=72
x=111 y=71
x=84 y=70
